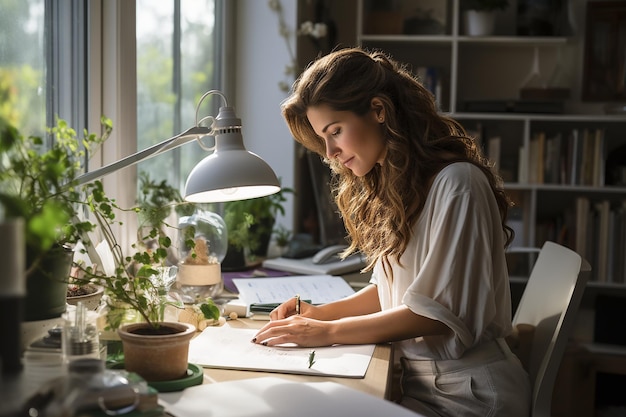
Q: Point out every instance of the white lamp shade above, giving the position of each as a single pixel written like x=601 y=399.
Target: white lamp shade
x=230 y=173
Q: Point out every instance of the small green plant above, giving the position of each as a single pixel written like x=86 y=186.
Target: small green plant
x=247 y=221
x=283 y=235
x=210 y=310
x=138 y=283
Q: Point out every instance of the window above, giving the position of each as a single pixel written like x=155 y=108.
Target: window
x=43 y=63
x=22 y=65
x=177 y=52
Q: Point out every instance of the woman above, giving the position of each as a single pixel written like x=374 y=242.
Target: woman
x=423 y=204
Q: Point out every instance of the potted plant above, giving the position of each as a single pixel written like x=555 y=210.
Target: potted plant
x=250 y=224
x=480 y=15
x=90 y=295
x=38 y=184
x=283 y=237
x=238 y=222
x=154 y=348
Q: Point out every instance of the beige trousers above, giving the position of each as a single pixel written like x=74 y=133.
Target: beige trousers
x=487 y=381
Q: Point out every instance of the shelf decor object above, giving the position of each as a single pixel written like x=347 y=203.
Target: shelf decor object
x=199 y=269
x=604 y=76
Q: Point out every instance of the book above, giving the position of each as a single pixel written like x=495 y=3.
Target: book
x=536 y=158
x=620 y=275
x=586 y=164
x=354 y=262
x=603 y=209
x=582 y=214
x=598 y=158
x=522 y=165
x=552 y=164
x=573 y=158
x=493 y=151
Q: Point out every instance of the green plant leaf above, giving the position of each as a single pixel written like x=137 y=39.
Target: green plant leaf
x=210 y=310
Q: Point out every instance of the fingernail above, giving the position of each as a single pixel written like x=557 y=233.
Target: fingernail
x=264 y=343
x=254 y=340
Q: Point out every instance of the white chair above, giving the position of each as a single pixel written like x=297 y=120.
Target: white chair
x=548 y=306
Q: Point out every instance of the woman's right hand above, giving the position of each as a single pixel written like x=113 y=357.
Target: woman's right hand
x=288 y=308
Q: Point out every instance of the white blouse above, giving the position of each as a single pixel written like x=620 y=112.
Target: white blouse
x=454 y=268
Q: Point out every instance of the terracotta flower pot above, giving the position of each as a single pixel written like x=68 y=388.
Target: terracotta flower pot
x=157 y=354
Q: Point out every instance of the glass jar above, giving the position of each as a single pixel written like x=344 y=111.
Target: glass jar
x=203 y=245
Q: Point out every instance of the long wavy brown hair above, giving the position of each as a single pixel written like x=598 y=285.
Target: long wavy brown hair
x=380 y=208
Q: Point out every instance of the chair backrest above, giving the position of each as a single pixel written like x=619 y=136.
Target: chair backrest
x=549 y=303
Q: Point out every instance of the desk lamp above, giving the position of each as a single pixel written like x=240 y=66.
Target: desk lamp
x=229 y=173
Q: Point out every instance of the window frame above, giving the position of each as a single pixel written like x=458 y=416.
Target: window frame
x=112 y=89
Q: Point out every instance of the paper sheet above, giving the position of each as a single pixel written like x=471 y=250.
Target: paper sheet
x=231 y=348
x=320 y=289
x=277 y=397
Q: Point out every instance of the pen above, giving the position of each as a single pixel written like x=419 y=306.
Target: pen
x=297 y=303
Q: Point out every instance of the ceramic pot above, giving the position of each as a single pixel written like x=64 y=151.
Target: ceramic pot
x=157 y=354
x=235 y=259
x=46 y=286
x=91 y=300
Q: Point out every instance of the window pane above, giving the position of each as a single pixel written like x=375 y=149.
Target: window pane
x=22 y=65
x=175 y=66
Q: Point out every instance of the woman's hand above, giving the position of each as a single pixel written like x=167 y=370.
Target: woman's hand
x=302 y=331
x=288 y=308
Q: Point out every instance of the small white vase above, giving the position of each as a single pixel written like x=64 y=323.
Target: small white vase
x=479 y=23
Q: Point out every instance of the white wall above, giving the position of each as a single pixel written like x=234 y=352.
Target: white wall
x=261 y=55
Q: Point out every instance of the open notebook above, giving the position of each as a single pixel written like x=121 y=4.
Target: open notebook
x=226 y=347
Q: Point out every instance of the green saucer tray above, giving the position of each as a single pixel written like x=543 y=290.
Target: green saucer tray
x=194 y=376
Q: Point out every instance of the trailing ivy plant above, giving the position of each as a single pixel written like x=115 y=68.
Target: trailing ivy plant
x=138 y=284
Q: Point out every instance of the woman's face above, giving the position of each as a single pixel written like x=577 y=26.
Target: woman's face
x=357 y=142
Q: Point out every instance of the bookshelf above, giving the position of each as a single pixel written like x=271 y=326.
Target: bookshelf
x=559 y=156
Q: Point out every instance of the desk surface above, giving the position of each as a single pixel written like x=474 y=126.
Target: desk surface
x=376 y=382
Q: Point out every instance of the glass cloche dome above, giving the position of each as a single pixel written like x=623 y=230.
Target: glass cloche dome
x=203 y=245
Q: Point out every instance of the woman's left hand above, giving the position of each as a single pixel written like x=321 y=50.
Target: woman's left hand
x=302 y=331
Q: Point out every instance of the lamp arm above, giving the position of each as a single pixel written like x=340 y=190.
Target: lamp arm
x=154 y=150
